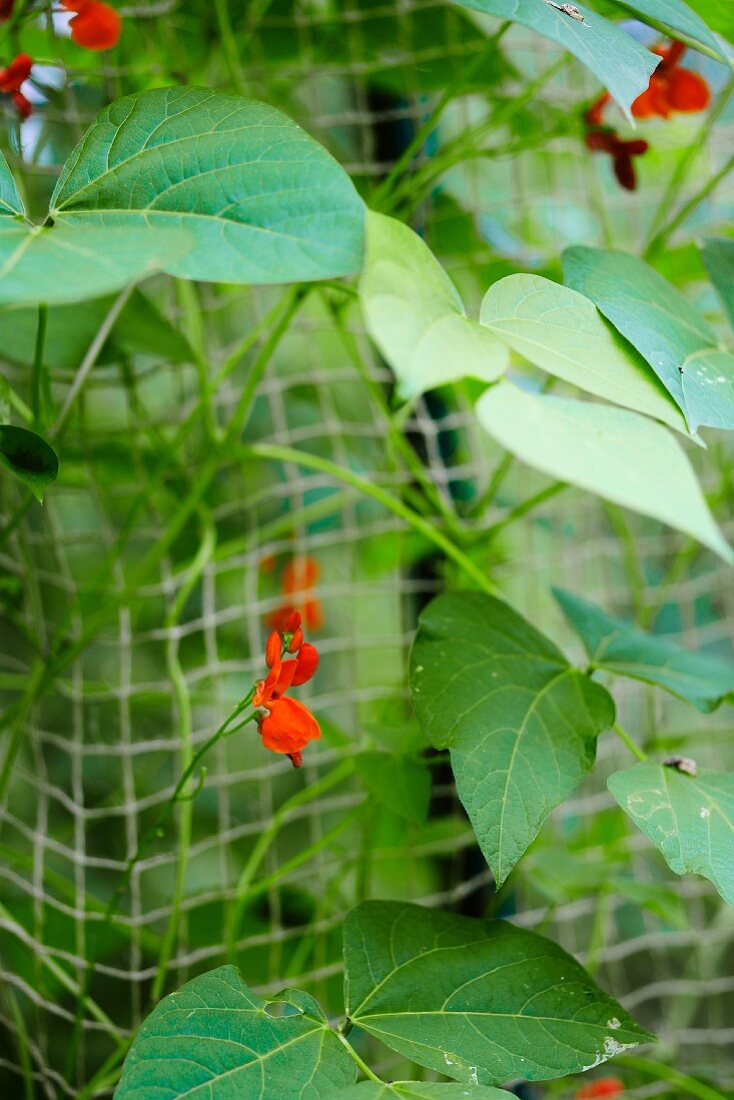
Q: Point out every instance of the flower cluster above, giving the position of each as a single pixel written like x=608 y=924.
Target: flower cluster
x=286 y=726
x=671 y=89
x=95 y=26
x=298 y=581
x=603 y=1086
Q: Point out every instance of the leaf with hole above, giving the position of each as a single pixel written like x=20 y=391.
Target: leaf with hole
x=520 y=722
x=622 y=64
x=479 y=1002
x=689 y=818
x=214 y=1039
x=620 y=648
x=415 y=316
x=619 y=455
x=563 y=333
x=673 y=337
x=29 y=458
x=260 y=200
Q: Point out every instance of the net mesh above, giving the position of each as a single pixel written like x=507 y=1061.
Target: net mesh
x=160 y=554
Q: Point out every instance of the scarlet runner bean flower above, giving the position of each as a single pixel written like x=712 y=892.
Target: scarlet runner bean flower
x=603 y=1086
x=672 y=88
x=11 y=79
x=298 y=580
x=95 y=26
x=286 y=726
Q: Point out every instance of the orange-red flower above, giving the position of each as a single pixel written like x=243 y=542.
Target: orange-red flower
x=286 y=726
x=96 y=25
x=6 y=10
x=672 y=88
x=603 y=1086
x=299 y=578
x=603 y=139
x=11 y=79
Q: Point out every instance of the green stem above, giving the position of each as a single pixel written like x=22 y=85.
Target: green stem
x=356 y=1058
x=634 y=748
x=370 y=489
x=523 y=508
x=688 y=1086
x=37 y=376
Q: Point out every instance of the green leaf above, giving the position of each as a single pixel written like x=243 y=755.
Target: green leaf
x=401 y=784
x=620 y=62
x=719 y=14
x=140 y=329
x=676 y=19
x=67 y=263
x=416 y=317
x=619 y=647
x=214 y=1040
x=655 y=317
x=261 y=200
x=29 y=458
x=11 y=204
x=616 y=454
x=481 y=1003
x=418 y=1090
x=718 y=256
x=689 y=818
x=563 y=333
x=520 y=722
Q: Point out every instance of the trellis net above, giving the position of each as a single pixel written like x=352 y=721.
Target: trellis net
x=136 y=600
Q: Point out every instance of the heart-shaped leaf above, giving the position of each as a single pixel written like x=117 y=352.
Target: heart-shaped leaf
x=520 y=722
x=614 y=453
x=620 y=648
x=416 y=317
x=689 y=818
x=671 y=335
x=29 y=458
x=261 y=201
x=214 y=1040
x=620 y=62
x=718 y=256
x=562 y=332
x=481 y=1003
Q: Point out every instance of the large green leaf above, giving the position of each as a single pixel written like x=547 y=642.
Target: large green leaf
x=677 y=19
x=415 y=315
x=261 y=200
x=614 y=453
x=418 y=1090
x=214 y=1040
x=521 y=723
x=689 y=818
x=620 y=62
x=619 y=647
x=655 y=317
x=29 y=458
x=481 y=1003
x=718 y=256
x=11 y=204
x=68 y=263
x=562 y=332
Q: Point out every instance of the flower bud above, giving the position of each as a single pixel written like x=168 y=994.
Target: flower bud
x=296 y=641
x=273 y=648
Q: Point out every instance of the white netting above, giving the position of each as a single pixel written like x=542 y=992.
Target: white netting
x=163 y=616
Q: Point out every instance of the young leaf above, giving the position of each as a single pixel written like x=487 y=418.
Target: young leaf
x=520 y=722
x=418 y=1090
x=261 y=200
x=621 y=63
x=479 y=1002
x=563 y=333
x=68 y=263
x=401 y=784
x=29 y=458
x=11 y=204
x=214 y=1038
x=415 y=316
x=655 y=317
x=718 y=256
x=689 y=818
x=616 y=454
x=678 y=20
x=619 y=647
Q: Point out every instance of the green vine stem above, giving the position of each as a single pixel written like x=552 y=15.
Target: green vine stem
x=342 y=1036
x=37 y=375
x=631 y=745
x=687 y=1086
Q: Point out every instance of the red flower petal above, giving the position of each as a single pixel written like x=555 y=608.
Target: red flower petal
x=687 y=91
x=313 y=613
x=296 y=641
x=306 y=664
x=17 y=71
x=288 y=727
x=273 y=648
x=603 y=1086
x=96 y=26
x=624 y=170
